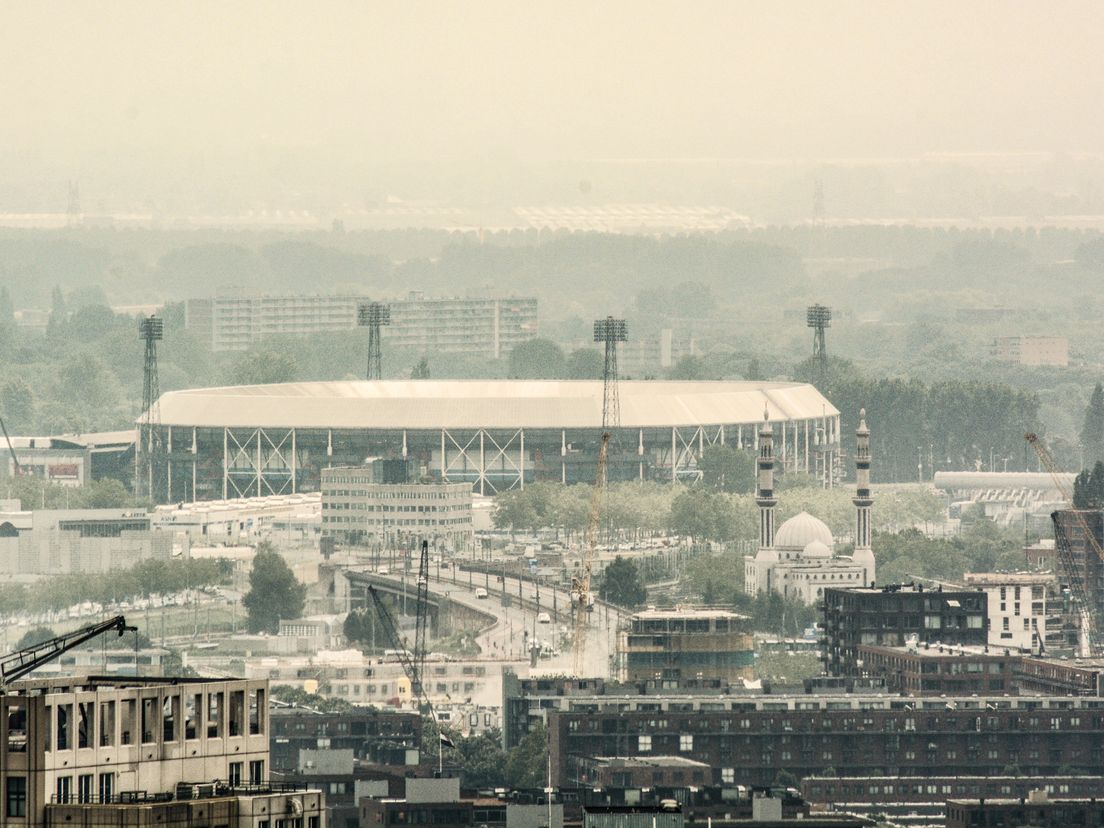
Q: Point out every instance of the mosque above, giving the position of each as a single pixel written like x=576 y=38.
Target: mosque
x=799 y=560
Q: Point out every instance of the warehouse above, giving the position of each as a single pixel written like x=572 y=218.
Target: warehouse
x=248 y=441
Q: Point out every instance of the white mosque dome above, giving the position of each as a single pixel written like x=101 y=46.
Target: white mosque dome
x=816 y=549
x=801 y=530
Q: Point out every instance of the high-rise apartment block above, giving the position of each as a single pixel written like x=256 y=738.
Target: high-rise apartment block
x=487 y=327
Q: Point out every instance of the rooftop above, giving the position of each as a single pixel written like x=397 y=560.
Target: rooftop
x=533 y=404
x=653 y=613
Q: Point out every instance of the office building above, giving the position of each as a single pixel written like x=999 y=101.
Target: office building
x=357 y=510
x=485 y=327
x=684 y=643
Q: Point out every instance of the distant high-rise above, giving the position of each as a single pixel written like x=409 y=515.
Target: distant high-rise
x=487 y=327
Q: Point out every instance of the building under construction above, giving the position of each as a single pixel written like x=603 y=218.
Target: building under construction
x=1079 y=563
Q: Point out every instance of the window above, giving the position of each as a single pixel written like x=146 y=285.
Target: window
x=84 y=787
x=64 y=788
x=644 y=744
x=107 y=786
x=686 y=741
x=64 y=715
x=237 y=712
x=728 y=775
x=235 y=774
x=107 y=723
x=256 y=712
x=256 y=772
x=17 y=727
x=17 y=796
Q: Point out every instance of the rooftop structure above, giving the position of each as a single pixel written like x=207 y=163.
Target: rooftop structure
x=242 y=441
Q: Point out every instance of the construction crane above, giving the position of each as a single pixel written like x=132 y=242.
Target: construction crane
x=18 y=469
x=1081 y=599
x=18 y=664
x=414 y=663
x=582 y=600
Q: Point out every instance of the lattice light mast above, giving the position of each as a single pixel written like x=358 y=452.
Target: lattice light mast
x=151 y=330
x=610 y=331
x=819 y=318
x=374 y=315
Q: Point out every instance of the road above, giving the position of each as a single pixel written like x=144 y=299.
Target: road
x=508 y=638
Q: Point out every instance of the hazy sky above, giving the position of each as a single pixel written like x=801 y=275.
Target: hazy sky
x=87 y=83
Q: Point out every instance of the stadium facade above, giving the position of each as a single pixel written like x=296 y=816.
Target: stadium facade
x=245 y=441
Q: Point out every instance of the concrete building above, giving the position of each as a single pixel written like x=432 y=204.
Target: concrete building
x=357 y=510
x=685 y=643
x=895 y=615
x=73 y=459
x=1006 y=498
x=495 y=435
x=487 y=327
x=1031 y=350
x=1025 y=611
x=87 y=751
x=798 y=562
x=65 y=541
x=294 y=519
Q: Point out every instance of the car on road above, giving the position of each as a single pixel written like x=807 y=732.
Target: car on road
x=480 y=592
x=544 y=618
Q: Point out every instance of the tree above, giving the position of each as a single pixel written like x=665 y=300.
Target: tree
x=754 y=371
x=33 y=636
x=481 y=759
x=537 y=359
x=688 y=367
x=273 y=591
x=728 y=469
x=1092 y=432
x=1088 y=488
x=17 y=405
x=526 y=766
x=421 y=370
x=585 y=363
x=264 y=366
x=621 y=584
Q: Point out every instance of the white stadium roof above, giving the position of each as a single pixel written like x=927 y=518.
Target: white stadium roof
x=488 y=404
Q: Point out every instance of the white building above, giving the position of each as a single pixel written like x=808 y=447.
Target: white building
x=489 y=327
x=1021 y=610
x=799 y=561
x=357 y=510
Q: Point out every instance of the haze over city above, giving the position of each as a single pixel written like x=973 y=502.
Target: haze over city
x=529 y=415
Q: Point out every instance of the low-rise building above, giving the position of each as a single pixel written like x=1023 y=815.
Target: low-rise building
x=1036 y=809
x=940 y=669
x=669 y=645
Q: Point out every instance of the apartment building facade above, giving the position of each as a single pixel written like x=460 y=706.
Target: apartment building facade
x=480 y=326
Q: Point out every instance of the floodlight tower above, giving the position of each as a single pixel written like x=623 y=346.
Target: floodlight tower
x=374 y=315
x=152 y=331
x=819 y=318
x=610 y=331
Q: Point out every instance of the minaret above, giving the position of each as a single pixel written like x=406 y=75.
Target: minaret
x=766 y=557
x=864 y=555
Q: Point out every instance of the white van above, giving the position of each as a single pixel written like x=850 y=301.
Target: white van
x=544 y=618
x=480 y=592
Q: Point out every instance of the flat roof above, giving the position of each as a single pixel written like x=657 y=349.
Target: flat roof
x=687 y=612
x=505 y=404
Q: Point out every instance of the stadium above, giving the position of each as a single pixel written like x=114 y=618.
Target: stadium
x=244 y=441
